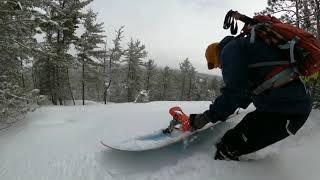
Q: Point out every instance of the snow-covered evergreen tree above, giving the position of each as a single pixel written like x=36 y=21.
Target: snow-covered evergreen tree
x=58 y=24
x=166 y=82
x=150 y=72
x=134 y=56
x=88 y=45
x=191 y=85
x=17 y=47
x=187 y=76
x=54 y=46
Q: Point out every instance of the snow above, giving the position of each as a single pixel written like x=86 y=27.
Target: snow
x=38 y=30
x=20 y=6
x=35 y=91
x=39 y=10
x=63 y=142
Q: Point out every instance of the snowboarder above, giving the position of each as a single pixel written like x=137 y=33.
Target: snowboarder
x=280 y=111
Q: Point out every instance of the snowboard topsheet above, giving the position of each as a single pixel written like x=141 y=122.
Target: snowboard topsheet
x=154 y=140
x=150 y=141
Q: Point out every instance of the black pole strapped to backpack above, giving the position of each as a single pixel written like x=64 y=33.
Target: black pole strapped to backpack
x=230 y=21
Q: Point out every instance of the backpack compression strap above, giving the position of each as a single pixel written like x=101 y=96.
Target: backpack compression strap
x=279 y=77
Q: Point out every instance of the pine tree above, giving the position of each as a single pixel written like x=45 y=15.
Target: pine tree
x=166 y=82
x=191 y=77
x=88 y=45
x=187 y=75
x=17 y=47
x=150 y=72
x=59 y=25
x=133 y=61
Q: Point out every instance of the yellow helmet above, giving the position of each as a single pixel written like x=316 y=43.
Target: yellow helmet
x=213 y=52
x=213 y=56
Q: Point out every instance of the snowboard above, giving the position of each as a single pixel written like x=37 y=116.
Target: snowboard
x=158 y=139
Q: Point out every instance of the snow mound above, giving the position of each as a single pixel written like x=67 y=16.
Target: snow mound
x=63 y=143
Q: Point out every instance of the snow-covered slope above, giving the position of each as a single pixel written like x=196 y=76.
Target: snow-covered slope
x=60 y=143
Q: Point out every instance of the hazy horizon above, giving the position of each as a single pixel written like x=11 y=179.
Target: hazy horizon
x=172 y=30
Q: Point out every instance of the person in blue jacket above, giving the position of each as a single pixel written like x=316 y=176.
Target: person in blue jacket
x=280 y=111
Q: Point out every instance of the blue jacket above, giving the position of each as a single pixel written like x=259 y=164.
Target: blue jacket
x=237 y=93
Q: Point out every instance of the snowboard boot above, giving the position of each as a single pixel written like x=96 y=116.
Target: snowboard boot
x=225 y=153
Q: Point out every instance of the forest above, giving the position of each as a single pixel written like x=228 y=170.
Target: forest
x=56 y=52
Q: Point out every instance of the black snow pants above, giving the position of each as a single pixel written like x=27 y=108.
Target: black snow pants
x=256 y=131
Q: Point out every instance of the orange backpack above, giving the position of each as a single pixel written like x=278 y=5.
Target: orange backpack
x=302 y=49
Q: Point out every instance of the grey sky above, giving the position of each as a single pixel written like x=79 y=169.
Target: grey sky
x=173 y=29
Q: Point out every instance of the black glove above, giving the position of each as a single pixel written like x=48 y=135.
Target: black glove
x=197 y=121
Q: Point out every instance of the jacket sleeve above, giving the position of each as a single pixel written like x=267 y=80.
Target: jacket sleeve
x=235 y=93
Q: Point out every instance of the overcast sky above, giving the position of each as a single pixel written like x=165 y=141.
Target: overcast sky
x=173 y=29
